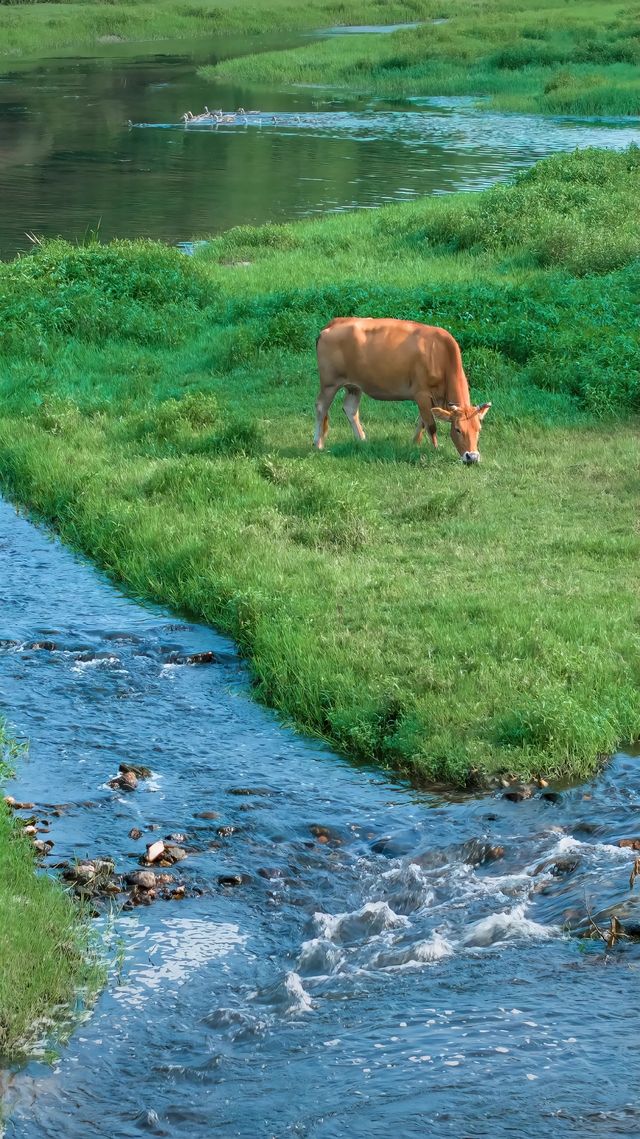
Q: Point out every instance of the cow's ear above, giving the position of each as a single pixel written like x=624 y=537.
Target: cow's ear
x=482 y=409
x=442 y=413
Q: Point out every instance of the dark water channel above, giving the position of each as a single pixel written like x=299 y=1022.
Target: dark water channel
x=372 y=976
x=69 y=164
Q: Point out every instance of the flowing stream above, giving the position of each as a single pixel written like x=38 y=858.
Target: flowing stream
x=394 y=961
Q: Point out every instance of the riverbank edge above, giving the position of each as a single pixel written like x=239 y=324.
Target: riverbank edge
x=28 y=30
x=46 y=949
x=504 y=57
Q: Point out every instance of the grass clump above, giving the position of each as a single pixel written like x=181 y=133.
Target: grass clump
x=579 y=59
x=413 y=612
x=43 y=947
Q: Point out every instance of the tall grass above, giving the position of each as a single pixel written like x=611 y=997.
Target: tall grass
x=159 y=409
x=558 y=58
x=43 y=947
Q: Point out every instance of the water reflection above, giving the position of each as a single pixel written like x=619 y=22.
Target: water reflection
x=69 y=163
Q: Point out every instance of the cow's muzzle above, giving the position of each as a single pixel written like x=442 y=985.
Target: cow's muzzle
x=471 y=457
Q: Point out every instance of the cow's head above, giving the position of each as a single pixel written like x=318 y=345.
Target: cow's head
x=466 y=424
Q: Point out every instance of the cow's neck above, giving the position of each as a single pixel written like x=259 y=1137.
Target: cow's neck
x=458 y=390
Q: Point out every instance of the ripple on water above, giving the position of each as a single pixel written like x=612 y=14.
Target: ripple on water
x=398 y=958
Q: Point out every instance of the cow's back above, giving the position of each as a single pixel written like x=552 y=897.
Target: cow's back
x=387 y=359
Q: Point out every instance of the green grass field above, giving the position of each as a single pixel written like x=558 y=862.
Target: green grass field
x=43 y=946
x=158 y=410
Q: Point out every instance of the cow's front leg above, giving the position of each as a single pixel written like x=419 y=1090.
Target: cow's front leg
x=426 y=420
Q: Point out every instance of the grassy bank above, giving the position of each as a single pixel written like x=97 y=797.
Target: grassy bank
x=557 y=58
x=32 y=28
x=158 y=410
x=43 y=948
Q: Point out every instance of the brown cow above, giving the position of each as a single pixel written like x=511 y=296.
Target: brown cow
x=397 y=360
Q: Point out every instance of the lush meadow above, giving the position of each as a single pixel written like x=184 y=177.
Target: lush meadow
x=554 y=57
x=444 y=620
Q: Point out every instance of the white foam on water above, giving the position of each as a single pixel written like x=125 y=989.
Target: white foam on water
x=97 y=662
x=371 y=919
x=414 y=956
x=570 y=845
x=511 y=925
x=299 y=999
x=319 y=958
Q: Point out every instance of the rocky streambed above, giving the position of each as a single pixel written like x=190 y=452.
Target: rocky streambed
x=299 y=946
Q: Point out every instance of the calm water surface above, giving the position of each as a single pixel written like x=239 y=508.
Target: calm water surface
x=384 y=982
x=69 y=164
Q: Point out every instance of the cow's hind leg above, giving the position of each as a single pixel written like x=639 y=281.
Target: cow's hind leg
x=351 y=408
x=323 y=403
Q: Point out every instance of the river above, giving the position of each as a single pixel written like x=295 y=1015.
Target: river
x=70 y=165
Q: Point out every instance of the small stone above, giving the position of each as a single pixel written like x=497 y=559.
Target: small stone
x=141 y=897
x=177 y=893
x=249 y=791
x=632 y=843
x=271 y=872
x=143 y=879
x=31 y=830
x=42 y=847
x=126 y=782
x=155 y=850
x=225 y=831
x=542 y=782
x=518 y=794
x=325 y=834
x=136 y=769
x=558 y=866
x=231 y=879
x=81 y=872
x=476 y=852
x=174 y=853
x=135 y=833
x=201 y=658
x=10 y=802
x=207 y=815
x=175 y=837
